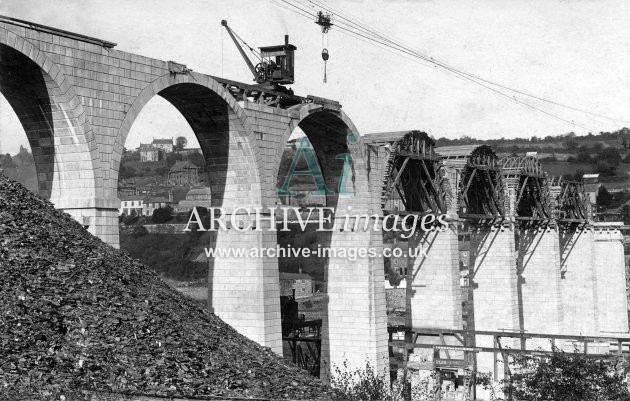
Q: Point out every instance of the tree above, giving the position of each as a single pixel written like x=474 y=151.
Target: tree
x=583 y=156
x=603 y=197
x=130 y=155
x=624 y=212
x=607 y=161
x=6 y=161
x=566 y=377
x=131 y=218
x=180 y=142
x=571 y=144
x=139 y=231
x=161 y=171
x=161 y=215
x=197 y=159
x=126 y=172
x=171 y=158
x=23 y=158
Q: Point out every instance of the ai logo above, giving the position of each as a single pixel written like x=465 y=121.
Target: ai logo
x=305 y=148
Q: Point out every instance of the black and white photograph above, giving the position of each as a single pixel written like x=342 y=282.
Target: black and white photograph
x=314 y=200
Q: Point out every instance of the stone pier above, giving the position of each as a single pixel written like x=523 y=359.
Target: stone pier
x=578 y=283
x=436 y=300
x=610 y=276
x=245 y=291
x=540 y=300
x=495 y=288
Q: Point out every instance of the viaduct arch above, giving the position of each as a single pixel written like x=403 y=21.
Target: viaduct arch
x=355 y=292
x=55 y=123
x=220 y=125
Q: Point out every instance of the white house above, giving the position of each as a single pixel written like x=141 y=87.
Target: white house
x=131 y=204
x=149 y=153
x=164 y=144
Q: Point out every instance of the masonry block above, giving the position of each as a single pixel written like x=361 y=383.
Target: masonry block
x=355 y=327
x=493 y=276
x=540 y=300
x=435 y=300
x=610 y=276
x=578 y=282
x=245 y=291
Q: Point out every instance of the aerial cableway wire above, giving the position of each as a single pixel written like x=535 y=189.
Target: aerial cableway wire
x=430 y=59
x=392 y=46
x=398 y=51
x=414 y=58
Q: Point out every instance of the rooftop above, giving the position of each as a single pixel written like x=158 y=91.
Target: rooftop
x=294 y=276
x=199 y=191
x=157 y=199
x=163 y=141
x=124 y=197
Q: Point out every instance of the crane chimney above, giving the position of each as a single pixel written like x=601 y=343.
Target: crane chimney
x=286 y=39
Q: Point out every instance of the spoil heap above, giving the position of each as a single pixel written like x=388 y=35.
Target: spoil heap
x=78 y=314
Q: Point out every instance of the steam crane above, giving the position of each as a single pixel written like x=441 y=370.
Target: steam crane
x=276 y=66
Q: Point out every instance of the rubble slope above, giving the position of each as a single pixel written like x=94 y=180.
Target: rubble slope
x=77 y=314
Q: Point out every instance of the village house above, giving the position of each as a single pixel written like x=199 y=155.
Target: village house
x=131 y=205
x=591 y=186
x=300 y=282
x=156 y=202
x=164 y=144
x=183 y=172
x=199 y=197
x=150 y=153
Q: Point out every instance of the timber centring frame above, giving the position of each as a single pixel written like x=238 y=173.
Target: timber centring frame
x=527 y=182
x=481 y=188
x=414 y=176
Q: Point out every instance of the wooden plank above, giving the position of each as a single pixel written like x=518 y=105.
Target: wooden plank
x=436 y=191
x=517 y=334
x=520 y=195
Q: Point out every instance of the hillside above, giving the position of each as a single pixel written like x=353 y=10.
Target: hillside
x=78 y=314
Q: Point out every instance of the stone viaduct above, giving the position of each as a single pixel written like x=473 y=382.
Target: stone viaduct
x=77 y=98
x=533 y=266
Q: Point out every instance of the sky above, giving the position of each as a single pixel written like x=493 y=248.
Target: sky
x=574 y=52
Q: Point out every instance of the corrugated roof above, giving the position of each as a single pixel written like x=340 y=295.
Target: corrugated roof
x=456 y=151
x=383 y=137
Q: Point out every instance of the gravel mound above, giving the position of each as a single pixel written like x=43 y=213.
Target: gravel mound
x=76 y=314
